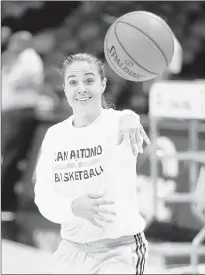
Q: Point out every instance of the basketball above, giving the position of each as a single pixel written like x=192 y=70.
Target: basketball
x=139 y=46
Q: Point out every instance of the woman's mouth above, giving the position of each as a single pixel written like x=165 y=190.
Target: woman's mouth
x=83 y=99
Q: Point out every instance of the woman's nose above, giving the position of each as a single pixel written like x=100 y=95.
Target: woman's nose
x=81 y=88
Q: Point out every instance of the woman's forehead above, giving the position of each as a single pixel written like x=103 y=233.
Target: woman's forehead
x=81 y=67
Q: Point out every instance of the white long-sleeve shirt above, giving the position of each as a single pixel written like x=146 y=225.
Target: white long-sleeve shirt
x=78 y=161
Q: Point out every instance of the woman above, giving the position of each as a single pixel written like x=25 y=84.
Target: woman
x=87 y=183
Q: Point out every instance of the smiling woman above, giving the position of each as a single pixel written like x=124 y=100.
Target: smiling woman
x=84 y=85
x=84 y=73
x=86 y=181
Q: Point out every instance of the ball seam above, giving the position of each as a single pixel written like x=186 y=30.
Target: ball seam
x=106 y=40
x=149 y=39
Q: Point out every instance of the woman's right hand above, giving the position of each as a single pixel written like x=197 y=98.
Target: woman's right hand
x=90 y=207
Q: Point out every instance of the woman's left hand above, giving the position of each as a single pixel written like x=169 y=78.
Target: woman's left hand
x=130 y=126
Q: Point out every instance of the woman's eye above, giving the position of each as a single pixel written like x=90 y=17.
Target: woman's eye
x=89 y=81
x=73 y=82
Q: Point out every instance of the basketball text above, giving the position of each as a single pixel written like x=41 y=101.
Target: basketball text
x=78 y=175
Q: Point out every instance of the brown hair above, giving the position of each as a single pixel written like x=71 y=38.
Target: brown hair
x=90 y=59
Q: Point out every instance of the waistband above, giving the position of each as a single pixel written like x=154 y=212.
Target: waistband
x=105 y=245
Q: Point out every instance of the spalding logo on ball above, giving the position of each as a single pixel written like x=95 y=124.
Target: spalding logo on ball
x=139 y=46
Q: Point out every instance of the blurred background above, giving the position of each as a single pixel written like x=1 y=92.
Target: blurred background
x=36 y=36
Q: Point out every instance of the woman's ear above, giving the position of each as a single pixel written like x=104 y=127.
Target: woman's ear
x=104 y=83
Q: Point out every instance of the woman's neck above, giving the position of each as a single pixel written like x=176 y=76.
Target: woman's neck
x=82 y=120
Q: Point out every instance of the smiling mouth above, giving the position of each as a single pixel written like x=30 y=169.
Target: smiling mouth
x=83 y=98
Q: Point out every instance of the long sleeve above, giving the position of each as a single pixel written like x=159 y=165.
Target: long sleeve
x=130 y=119
x=50 y=204
x=133 y=114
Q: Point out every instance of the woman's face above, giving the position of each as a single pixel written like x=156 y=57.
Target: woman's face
x=83 y=87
